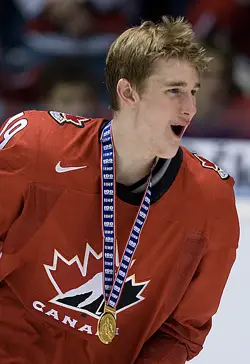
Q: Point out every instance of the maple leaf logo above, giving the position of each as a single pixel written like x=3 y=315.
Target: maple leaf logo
x=208 y=164
x=64 y=118
x=79 y=286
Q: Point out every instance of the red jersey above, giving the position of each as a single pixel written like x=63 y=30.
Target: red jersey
x=51 y=268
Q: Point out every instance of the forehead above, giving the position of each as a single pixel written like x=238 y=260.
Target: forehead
x=174 y=71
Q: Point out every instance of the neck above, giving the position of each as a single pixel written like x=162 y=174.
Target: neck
x=133 y=160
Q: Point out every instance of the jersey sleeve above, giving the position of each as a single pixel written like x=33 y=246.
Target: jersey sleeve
x=18 y=151
x=182 y=336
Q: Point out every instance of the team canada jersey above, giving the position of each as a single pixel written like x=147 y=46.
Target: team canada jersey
x=51 y=265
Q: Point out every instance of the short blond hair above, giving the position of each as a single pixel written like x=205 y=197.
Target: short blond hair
x=133 y=53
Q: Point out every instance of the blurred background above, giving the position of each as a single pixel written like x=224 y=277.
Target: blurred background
x=52 y=57
x=53 y=52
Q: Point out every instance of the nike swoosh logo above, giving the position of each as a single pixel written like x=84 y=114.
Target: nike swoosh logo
x=60 y=169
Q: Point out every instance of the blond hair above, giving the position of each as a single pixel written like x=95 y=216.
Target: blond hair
x=133 y=53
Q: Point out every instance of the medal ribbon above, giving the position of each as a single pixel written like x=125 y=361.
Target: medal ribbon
x=113 y=283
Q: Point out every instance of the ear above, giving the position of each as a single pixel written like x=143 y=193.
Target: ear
x=126 y=92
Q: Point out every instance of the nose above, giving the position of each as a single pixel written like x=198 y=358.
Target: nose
x=188 y=107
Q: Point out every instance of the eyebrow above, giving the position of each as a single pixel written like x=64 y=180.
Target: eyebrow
x=180 y=84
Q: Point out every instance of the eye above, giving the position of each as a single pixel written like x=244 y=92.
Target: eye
x=194 y=92
x=174 y=90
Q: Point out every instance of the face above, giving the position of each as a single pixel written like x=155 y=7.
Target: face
x=166 y=106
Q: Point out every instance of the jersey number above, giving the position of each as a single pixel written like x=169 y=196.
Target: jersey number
x=12 y=127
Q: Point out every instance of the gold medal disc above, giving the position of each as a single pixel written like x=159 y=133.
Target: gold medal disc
x=106 y=327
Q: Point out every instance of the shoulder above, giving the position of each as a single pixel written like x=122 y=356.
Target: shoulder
x=214 y=194
x=211 y=178
x=33 y=141
x=33 y=127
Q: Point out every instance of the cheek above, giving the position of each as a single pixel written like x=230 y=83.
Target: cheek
x=155 y=114
x=158 y=106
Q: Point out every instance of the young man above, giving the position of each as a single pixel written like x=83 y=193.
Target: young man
x=116 y=242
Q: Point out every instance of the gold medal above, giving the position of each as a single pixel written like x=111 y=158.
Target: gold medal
x=107 y=325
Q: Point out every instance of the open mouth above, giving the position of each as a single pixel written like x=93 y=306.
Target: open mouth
x=177 y=129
